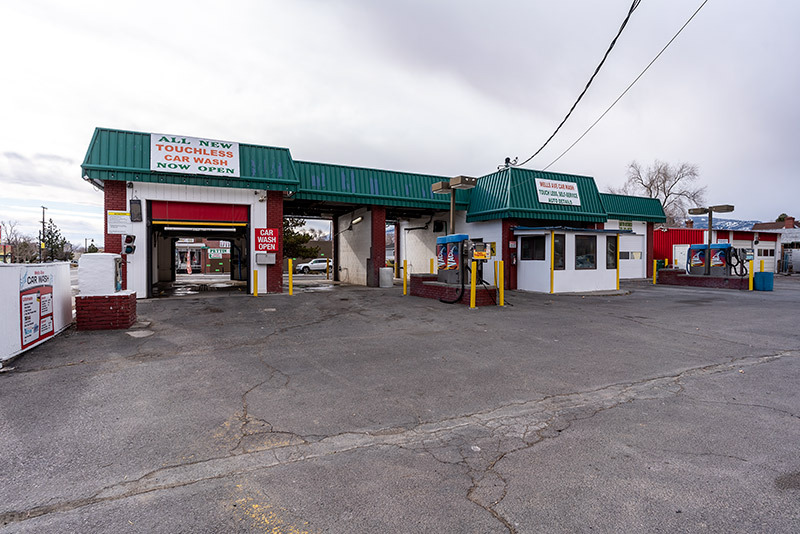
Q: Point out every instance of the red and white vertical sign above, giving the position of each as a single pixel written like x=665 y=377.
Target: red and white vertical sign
x=266 y=239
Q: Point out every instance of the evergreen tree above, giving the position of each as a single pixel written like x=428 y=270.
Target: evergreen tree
x=295 y=242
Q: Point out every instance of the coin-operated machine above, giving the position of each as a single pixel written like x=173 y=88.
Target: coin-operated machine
x=450 y=252
x=480 y=253
x=725 y=260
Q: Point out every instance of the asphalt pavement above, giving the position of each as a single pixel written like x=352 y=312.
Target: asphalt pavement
x=348 y=409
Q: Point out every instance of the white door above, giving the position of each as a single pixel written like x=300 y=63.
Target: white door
x=632 y=257
x=680 y=255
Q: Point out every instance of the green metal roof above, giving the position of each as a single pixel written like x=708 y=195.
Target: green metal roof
x=123 y=155
x=341 y=183
x=630 y=208
x=511 y=193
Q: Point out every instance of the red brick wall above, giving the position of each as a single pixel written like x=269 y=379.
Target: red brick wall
x=115 y=199
x=677 y=277
x=108 y=312
x=419 y=288
x=275 y=220
x=378 y=250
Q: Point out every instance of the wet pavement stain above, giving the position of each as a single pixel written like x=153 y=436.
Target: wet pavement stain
x=790 y=481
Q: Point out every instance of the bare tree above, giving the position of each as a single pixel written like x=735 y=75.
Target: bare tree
x=675 y=186
x=24 y=248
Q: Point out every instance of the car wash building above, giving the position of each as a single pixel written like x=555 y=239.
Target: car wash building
x=164 y=192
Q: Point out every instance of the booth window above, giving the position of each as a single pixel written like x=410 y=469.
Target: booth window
x=558 y=252
x=532 y=247
x=585 y=252
x=611 y=252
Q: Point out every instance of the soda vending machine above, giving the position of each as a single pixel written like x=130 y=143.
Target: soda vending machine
x=454 y=250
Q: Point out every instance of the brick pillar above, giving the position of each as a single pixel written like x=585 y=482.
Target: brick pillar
x=378 y=249
x=649 y=245
x=275 y=220
x=115 y=199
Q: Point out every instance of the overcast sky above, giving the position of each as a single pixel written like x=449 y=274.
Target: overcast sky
x=440 y=87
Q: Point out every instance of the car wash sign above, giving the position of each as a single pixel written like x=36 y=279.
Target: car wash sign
x=191 y=155
x=35 y=304
x=267 y=239
x=557 y=192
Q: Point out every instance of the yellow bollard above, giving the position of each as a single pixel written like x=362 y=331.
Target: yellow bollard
x=405 y=277
x=617 y=247
x=291 y=276
x=655 y=271
x=255 y=282
x=501 y=285
x=750 y=282
x=396 y=268
x=472 y=282
x=552 y=262
x=431 y=265
x=761 y=270
x=495 y=272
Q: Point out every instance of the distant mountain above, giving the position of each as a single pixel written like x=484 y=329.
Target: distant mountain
x=701 y=221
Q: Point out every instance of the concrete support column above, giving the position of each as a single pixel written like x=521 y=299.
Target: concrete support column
x=336 y=253
x=378 y=247
x=275 y=220
x=115 y=199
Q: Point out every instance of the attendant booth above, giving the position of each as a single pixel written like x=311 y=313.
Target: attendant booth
x=565 y=260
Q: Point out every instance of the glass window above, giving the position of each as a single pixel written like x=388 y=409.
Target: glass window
x=611 y=252
x=624 y=255
x=558 y=251
x=585 y=252
x=532 y=247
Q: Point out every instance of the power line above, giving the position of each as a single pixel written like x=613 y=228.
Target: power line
x=614 y=103
x=633 y=7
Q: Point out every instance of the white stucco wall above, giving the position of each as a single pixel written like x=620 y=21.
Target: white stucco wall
x=137 y=262
x=354 y=248
x=418 y=247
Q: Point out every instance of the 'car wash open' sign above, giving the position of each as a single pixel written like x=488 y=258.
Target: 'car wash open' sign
x=266 y=239
x=558 y=192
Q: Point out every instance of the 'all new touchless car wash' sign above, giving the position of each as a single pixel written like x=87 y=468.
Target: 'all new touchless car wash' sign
x=191 y=155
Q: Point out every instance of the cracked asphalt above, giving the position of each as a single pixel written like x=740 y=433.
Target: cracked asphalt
x=360 y=410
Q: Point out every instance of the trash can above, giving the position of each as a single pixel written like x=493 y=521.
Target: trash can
x=386 y=277
x=763 y=281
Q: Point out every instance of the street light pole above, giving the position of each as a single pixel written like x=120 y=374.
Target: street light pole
x=41 y=243
x=722 y=208
x=450 y=186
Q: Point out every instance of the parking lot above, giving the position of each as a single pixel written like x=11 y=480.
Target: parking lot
x=352 y=409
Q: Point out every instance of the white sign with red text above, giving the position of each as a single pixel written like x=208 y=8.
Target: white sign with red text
x=267 y=239
x=557 y=192
x=191 y=155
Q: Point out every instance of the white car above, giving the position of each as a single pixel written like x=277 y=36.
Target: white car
x=318 y=264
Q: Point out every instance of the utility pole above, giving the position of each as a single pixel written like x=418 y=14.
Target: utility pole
x=41 y=244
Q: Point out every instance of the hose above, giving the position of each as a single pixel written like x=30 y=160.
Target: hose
x=461 y=292
x=738 y=267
